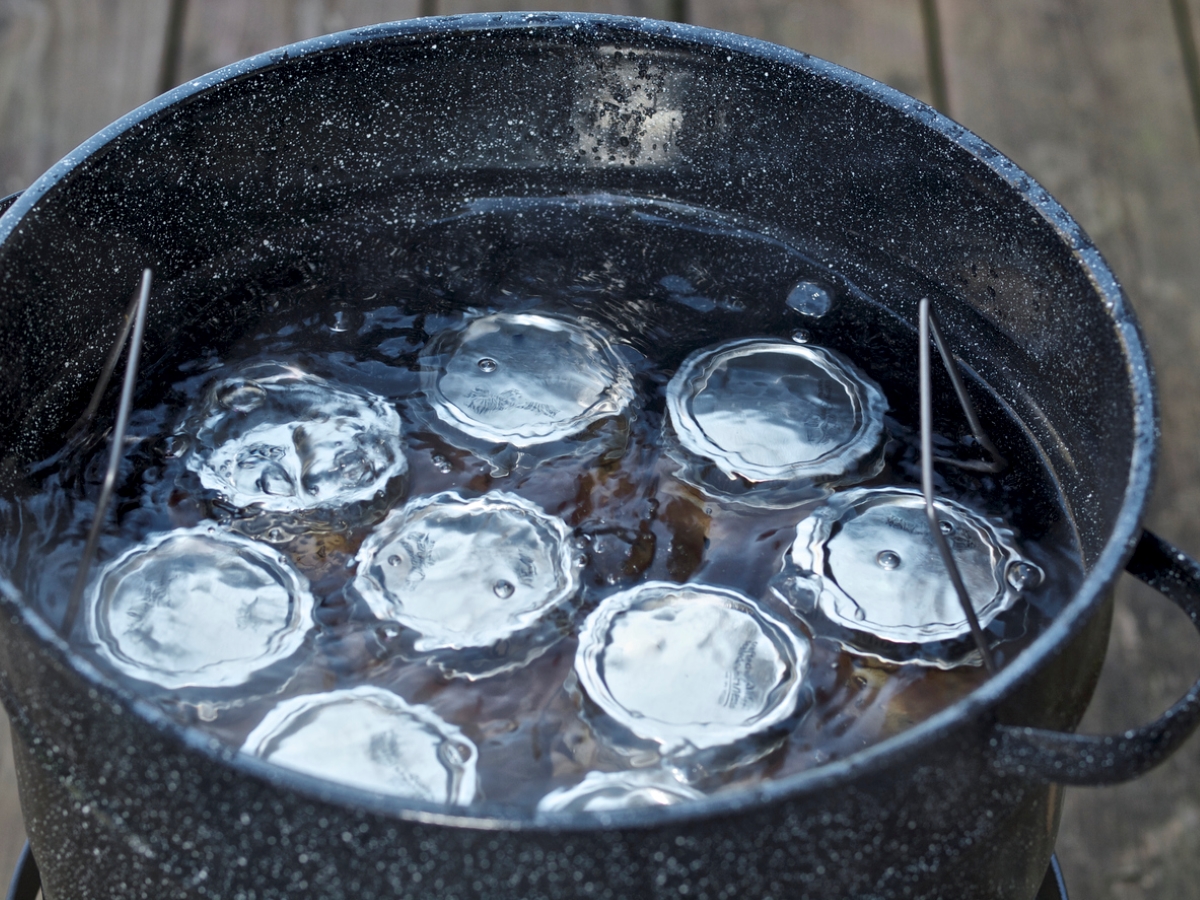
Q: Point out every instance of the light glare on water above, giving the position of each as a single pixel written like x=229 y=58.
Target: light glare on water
x=198 y=607
x=285 y=441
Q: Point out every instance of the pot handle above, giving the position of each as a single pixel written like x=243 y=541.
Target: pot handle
x=6 y=202
x=1085 y=759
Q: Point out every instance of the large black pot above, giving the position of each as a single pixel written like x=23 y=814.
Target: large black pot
x=121 y=802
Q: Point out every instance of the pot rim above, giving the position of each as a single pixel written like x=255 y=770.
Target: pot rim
x=1067 y=623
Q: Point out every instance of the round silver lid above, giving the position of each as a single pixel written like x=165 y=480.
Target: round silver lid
x=369 y=738
x=776 y=411
x=467 y=573
x=601 y=792
x=875 y=568
x=198 y=607
x=278 y=439
x=690 y=666
x=526 y=378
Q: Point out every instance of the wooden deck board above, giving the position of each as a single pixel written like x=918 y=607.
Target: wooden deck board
x=1090 y=98
x=880 y=38
x=67 y=69
x=220 y=32
x=1087 y=95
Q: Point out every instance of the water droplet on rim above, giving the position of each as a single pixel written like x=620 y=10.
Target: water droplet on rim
x=1022 y=575
x=887 y=559
x=810 y=299
x=340 y=319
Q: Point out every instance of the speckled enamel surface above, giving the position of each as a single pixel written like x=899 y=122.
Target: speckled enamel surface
x=403 y=118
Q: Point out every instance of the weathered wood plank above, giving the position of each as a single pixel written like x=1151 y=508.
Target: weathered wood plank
x=220 y=32
x=12 y=831
x=67 y=69
x=655 y=9
x=1090 y=97
x=1086 y=94
x=880 y=38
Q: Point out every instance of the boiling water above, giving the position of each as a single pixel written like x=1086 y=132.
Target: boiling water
x=366 y=311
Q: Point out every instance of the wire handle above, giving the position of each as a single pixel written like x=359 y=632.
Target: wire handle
x=118 y=443
x=925 y=324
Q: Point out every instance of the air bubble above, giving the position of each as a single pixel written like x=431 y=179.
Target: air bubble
x=887 y=559
x=810 y=299
x=241 y=396
x=487 y=364
x=1023 y=575
x=946 y=527
x=340 y=318
x=503 y=589
x=801 y=336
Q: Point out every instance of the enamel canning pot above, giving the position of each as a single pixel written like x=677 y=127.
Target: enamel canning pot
x=120 y=801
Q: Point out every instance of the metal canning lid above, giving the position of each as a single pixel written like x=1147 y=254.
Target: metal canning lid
x=278 y=439
x=198 y=607
x=601 y=792
x=874 y=568
x=526 y=379
x=369 y=738
x=689 y=666
x=467 y=573
x=772 y=411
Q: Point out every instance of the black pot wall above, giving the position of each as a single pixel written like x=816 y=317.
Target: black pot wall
x=116 y=807
x=414 y=117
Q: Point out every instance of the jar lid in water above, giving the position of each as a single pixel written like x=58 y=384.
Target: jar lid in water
x=198 y=607
x=369 y=738
x=278 y=439
x=466 y=573
x=602 y=792
x=689 y=667
x=874 y=573
x=526 y=379
x=772 y=413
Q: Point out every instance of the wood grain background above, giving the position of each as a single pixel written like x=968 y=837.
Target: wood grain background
x=1090 y=96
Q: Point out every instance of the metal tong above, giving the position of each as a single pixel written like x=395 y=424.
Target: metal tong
x=135 y=319
x=927 y=324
